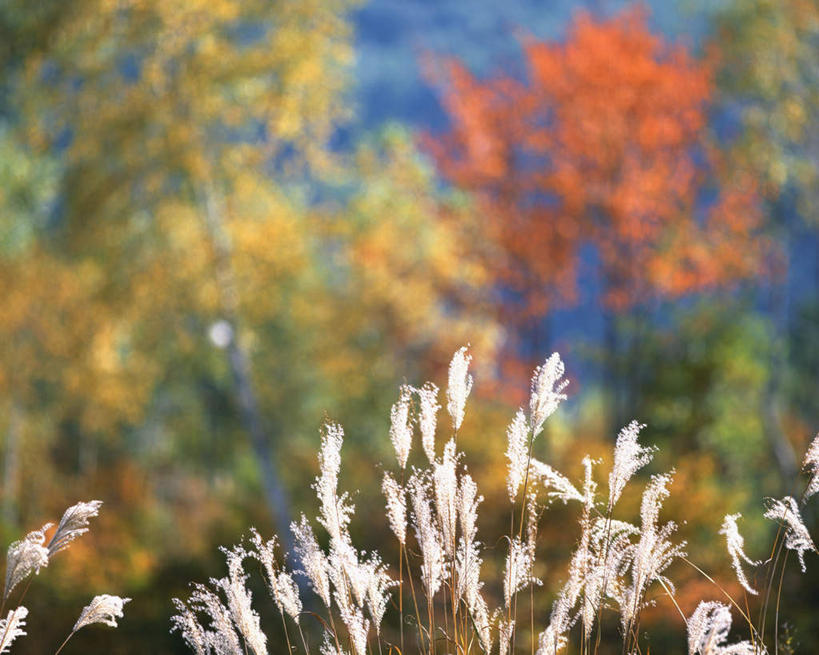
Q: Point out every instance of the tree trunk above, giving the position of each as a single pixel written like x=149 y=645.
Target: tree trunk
x=275 y=494
x=778 y=306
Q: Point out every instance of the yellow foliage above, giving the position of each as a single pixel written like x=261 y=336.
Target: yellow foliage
x=178 y=209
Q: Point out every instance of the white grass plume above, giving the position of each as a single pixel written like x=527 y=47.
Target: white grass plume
x=546 y=392
x=468 y=501
x=459 y=386
x=328 y=647
x=629 y=457
x=313 y=560
x=592 y=571
x=378 y=590
x=653 y=553
x=334 y=510
x=482 y=621
x=396 y=507
x=25 y=557
x=401 y=426
x=31 y=554
x=797 y=537
x=708 y=629
x=445 y=487
x=12 y=627
x=341 y=560
x=263 y=552
x=222 y=638
x=505 y=629
x=239 y=602
x=468 y=570
x=614 y=565
x=811 y=466
x=610 y=553
x=188 y=626
x=428 y=417
x=560 y=486
x=468 y=562
x=532 y=518
x=432 y=566
x=73 y=524
x=550 y=643
x=517 y=435
x=346 y=573
x=518 y=573
x=361 y=577
x=288 y=595
x=105 y=609
x=358 y=627
x=587 y=578
x=736 y=549
x=563 y=616
x=280 y=584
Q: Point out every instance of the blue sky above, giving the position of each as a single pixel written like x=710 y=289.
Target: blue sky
x=391 y=34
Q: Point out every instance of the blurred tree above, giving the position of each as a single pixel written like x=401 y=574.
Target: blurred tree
x=769 y=83
x=768 y=74
x=152 y=102
x=209 y=266
x=605 y=144
x=715 y=364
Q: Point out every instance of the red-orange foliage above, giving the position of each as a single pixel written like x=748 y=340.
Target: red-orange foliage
x=604 y=144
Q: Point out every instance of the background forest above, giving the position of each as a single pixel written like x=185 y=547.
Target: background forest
x=223 y=221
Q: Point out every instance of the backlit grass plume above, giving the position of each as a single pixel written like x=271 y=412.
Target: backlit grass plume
x=33 y=553
x=433 y=598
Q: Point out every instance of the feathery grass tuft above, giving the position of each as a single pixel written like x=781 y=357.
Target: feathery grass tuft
x=615 y=571
x=31 y=554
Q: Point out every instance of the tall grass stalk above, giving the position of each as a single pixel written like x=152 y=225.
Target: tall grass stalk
x=432 y=507
x=27 y=557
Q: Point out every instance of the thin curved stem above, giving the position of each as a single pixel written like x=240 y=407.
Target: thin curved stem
x=745 y=615
x=62 y=645
x=414 y=599
x=778 y=599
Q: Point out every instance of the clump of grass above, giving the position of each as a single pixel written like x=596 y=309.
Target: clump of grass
x=34 y=552
x=616 y=568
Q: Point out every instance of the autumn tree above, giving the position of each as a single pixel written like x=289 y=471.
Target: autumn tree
x=158 y=103
x=210 y=269
x=602 y=144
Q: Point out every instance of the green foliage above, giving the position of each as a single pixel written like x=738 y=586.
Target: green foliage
x=803 y=362
x=28 y=187
x=708 y=366
x=769 y=74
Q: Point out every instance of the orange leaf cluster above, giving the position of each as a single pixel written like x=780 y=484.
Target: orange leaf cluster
x=604 y=144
